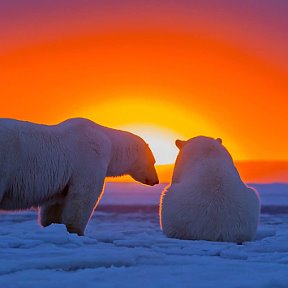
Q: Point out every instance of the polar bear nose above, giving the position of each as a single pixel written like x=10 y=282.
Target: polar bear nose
x=151 y=182
x=156 y=182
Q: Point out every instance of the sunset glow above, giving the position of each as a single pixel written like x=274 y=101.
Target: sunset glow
x=161 y=70
x=159 y=122
x=161 y=141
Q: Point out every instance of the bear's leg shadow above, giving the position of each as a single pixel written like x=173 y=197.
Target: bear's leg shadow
x=80 y=203
x=50 y=213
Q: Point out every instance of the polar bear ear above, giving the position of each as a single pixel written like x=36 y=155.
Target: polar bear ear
x=219 y=140
x=180 y=144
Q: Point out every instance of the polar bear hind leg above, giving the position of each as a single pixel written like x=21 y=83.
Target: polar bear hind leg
x=50 y=213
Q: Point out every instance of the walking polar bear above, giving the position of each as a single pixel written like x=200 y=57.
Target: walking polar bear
x=207 y=199
x=62 y=168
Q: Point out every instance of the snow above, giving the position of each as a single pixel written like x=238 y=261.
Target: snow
x=124 y=247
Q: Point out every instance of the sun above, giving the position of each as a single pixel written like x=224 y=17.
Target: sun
x=157 y=120
x=160 y=139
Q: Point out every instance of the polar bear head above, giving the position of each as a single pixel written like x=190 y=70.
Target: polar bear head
x=196 y=150
x=142 y=169
x=199 y=146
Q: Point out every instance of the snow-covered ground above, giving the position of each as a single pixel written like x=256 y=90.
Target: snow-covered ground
x=124 y=247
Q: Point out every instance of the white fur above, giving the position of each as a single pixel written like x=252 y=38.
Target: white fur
x=207 y=199
x=62 y=167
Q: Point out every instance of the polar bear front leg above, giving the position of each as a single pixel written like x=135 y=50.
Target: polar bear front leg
x=79 y=205
x=50 y=213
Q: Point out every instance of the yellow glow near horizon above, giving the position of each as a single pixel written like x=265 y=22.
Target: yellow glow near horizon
x=157 y=121
x=161 y=141
x=146 y=108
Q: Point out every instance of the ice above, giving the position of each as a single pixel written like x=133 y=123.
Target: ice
x=132 y=193
x=124 y=247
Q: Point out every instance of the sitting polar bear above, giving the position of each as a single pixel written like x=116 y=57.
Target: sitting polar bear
x=62 y=168
x=207 y=199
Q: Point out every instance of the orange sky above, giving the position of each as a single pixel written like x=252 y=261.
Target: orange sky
x=191 y=67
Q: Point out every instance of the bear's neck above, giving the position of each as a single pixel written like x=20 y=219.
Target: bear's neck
x=212 y=167
x=123 y=154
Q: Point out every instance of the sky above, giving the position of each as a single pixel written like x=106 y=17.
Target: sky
x=161 y=69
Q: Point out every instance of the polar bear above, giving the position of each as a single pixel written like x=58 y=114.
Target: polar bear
x=207 y=199
x=61 y=168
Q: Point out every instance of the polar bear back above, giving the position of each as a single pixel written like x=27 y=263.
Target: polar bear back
x=210 y=202
x=37 y=160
